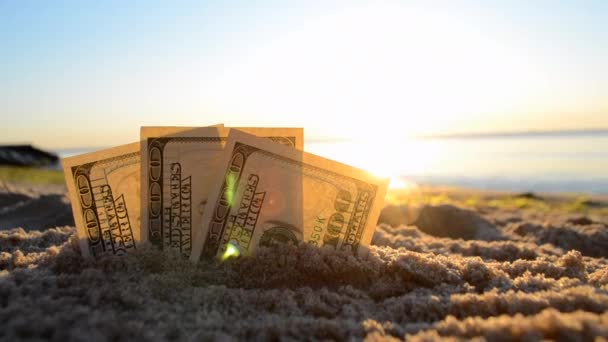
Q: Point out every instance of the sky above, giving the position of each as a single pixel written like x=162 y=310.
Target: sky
x=85 y=74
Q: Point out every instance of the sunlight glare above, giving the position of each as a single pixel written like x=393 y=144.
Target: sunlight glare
x=232 y=251
x=394 y=65
x=391 y=157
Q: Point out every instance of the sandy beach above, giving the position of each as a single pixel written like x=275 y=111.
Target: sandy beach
x=485 y=123
x=444 y=263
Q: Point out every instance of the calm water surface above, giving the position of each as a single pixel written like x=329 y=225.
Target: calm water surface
x=567 y=162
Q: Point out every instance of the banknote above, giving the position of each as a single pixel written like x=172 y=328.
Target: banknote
x=178 y=164
x=267 y=193
x=104 y=191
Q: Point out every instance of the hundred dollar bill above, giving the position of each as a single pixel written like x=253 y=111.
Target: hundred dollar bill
x=178 y=165
x=104 y=191
x=267 y=193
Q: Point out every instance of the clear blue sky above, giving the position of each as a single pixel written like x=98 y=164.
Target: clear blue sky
x=84 y=73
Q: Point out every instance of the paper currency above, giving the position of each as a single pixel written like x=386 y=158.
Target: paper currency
x=104 y=191
x=178 y=165
x=268 y=193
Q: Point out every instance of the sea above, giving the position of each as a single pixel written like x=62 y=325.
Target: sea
x=574 y=161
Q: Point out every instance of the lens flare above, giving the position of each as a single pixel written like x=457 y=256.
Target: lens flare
x=232 y=251
x=230 y=188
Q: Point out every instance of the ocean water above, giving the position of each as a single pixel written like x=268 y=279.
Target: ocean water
x=565 y=162
x=539 y=162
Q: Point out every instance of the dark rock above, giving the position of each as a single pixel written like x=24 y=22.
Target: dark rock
x=593 y=203
x=528 y=195
x=26 y=155
x=581 y=221
x=524 y=228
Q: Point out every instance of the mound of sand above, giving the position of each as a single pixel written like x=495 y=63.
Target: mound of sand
x=526 y=283
x=450 y=221
x=34 y=208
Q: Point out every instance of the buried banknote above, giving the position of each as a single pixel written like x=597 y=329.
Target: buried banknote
x=104 y=191
x=267 y=193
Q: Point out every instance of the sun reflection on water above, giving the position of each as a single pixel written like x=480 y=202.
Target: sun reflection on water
x=384 y=159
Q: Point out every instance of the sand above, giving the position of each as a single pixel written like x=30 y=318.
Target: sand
x=484 y=272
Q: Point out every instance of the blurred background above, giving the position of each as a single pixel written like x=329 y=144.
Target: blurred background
x=483 y=94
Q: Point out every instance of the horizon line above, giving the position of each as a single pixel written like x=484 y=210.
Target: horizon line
x=491 y=134
x=522 y=133
x=465 y=135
